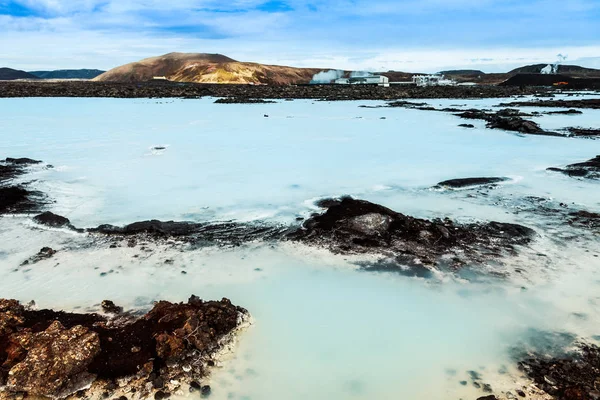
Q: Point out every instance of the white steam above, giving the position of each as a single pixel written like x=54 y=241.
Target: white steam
x=327 y=76
x=553 y=68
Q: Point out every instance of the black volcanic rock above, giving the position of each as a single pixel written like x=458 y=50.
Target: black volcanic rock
x=226 y=233
x=11 y=168
x=194 y=90
x=588 y=169
x=582 y=132
x=469 y=182
x=21 y=161
x=574 y=104
x=50 y=219
x=357 y=226
x=574 y=376
x=17 y=198
x=517 y=124
x=571 y=111
x=507 y=119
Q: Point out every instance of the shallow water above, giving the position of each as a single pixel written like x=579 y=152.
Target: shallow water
x=230 y=162
x=322 y=328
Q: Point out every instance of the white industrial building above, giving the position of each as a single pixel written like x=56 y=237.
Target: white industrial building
x=364 y=80
x=432 y=80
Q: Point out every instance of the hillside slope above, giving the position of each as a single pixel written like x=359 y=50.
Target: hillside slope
x=206 y=68
x=68 y=74
x=9 y=74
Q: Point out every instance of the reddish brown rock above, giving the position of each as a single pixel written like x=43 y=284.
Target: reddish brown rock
x=55 y=353
x=56 y=359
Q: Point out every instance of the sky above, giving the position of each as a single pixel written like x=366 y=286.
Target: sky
x=372 y=35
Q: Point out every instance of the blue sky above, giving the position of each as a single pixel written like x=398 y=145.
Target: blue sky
x=409 y=35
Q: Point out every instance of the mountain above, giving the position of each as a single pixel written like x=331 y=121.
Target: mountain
x=9 y=74
x=574 y=71
x=462 y=72
x=68 y=74
x=206 y=68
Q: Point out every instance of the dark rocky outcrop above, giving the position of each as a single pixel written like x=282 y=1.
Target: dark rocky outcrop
x=17 y=198
x=470 y=182
x=54 y=353
x=357 y=226
x=507 y=119
x=588 y=169
x=210 y=233
x=575 y=376
x=11 y=168
x=50 y=219
x=571 y=111
x=517 y=124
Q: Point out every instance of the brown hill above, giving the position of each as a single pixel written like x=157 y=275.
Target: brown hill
x=9 y=74
x=206 y=68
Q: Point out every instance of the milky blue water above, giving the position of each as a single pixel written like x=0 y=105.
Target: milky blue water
x=322 y=328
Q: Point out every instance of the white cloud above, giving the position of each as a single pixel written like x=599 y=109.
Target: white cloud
x=411 y=35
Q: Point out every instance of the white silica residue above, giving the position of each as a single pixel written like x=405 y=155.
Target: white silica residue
x=323 y=328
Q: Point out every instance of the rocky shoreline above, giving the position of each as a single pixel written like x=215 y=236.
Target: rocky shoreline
x=256 y=92
x=115 y=354
x=170 y=349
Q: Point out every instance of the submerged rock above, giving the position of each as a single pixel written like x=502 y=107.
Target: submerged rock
x=587 y=103
x=564 y=112
x=589 y=169
x=470 y=182
x=357 y=226
x=586 y=133
x=229 y=233
x=54 y=354
x=241 y=100
x=44 y=254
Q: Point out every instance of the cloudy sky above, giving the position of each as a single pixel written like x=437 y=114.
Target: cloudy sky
x=408 y=35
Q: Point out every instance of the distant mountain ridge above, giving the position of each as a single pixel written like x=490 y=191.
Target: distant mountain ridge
x=9 y=74
x=206 y=68
x=68 y=74
x=462 y=72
